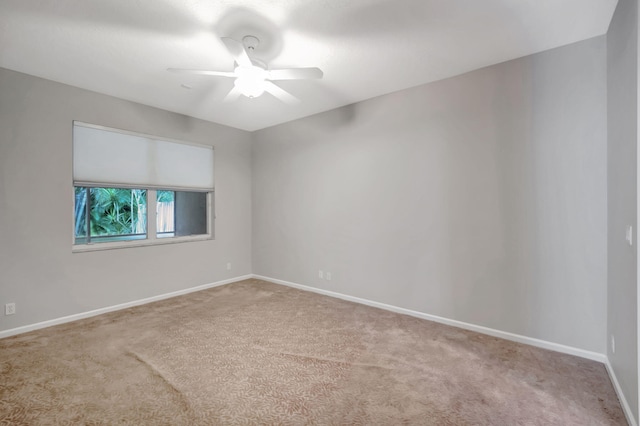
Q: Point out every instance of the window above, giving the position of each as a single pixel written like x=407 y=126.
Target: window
x=109 y=214
x=119 y=175
x=180 y=213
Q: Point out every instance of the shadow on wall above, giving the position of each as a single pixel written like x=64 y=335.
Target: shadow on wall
x=336 y=119
x=500 y=290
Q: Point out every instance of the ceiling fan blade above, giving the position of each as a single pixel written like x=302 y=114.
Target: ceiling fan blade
x=233 y=94
x=238 y=52
x=280 y=93
x=202 y=72
x=295 y=74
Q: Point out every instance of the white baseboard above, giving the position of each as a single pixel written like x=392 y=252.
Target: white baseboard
x=82 y=315
x=467 y=326
x=623 y=401
x=595 y=356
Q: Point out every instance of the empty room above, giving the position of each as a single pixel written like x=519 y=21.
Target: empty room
x=319 y=212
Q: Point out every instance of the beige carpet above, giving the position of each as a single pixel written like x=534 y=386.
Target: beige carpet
x=258 y=353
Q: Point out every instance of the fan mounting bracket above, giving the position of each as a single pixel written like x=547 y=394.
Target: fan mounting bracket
x=250 y=42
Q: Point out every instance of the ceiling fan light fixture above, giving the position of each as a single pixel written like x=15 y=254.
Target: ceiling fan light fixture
x=249 y=87
x=252 y=72
x=250 y=80
x=251 y=76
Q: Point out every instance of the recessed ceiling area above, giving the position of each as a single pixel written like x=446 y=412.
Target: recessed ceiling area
x=365 y=48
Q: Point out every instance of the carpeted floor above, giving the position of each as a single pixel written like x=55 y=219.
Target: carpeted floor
x=258 y=353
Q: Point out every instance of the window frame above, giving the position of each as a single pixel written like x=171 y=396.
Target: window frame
x=151 y=238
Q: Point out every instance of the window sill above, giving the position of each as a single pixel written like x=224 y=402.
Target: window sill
x=81 y=248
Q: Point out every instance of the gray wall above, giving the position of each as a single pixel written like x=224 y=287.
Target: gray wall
x=480 y=198
x=622 y=57
x=38 y=270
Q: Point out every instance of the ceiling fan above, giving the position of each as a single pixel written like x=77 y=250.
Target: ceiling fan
x=252 y=76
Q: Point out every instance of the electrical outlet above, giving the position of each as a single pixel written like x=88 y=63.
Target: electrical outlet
x=229 y=266
x=327 y=275
x=10 y=308
x=613 y=344
x=321 y=275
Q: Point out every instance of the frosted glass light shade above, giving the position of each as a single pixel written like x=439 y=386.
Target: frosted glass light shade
x=250 y=80
x=249 y=87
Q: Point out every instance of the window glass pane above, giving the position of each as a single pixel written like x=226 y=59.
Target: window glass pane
x=80 y=216
x=165 y=214
x=110 y=214
x=181 y=213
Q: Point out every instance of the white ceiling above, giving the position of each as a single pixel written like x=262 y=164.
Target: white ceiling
x=366 y=48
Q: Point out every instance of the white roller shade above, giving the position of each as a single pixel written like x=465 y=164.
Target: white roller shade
x=105 y=157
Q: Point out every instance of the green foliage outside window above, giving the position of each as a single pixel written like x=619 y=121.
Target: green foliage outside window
x=112 y=211
x=165 y=196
